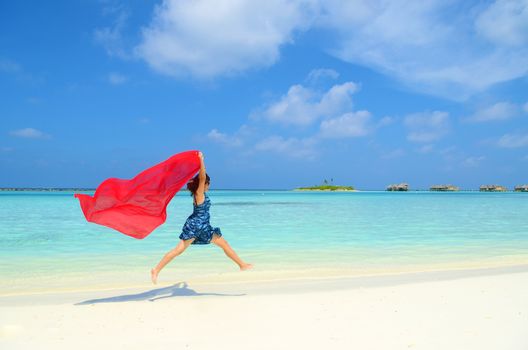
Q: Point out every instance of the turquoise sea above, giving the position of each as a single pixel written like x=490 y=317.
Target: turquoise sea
x=48 y=246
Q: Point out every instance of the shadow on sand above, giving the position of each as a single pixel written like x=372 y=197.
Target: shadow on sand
x=180 y=289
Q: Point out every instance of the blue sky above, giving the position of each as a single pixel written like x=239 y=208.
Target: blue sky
x=277 y=94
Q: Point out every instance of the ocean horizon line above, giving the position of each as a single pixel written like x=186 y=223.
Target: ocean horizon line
x=90 y=189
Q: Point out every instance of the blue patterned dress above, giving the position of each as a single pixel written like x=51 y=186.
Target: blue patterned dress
x=197 y=225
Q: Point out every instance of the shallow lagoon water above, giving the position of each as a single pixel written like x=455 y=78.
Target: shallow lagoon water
x=47 y=245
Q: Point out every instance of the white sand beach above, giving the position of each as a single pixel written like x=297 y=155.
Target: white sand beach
x=464 y=309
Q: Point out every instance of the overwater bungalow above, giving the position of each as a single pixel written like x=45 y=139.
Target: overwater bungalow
x=493 y=188
x=398 y=187
x=521 y=188
x=444 y=188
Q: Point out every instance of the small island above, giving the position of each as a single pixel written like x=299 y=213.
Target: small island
x=326 y=186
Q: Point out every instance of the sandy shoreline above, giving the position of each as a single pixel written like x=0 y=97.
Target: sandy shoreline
x=224 y=273
x=464 y=309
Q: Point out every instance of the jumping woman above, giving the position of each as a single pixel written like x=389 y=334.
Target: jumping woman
x=197 y=229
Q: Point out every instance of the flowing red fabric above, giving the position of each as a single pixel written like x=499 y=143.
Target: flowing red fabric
x=136 y=207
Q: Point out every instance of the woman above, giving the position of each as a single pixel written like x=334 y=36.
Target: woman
x=197 y=229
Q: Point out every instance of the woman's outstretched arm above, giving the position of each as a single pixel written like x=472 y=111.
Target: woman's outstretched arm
x=199 y=195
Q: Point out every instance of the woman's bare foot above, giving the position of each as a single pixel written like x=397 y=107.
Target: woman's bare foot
x=246 y=267
x=154 y=276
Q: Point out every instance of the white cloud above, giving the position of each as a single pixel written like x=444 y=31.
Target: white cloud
x=497 y=112
x=222 y=138
x=447 y=48
x=116 y=78
x=111 y=37
x=396 y=153
x=337 y=99
x=473 y=161
x=352 y=124
x=448 y=151
x=427 y=126
x=513 y=141
x=289 y=147
x=296 y=107
x=208 y=38
x=16 y=70
x=319 y=74
x=425 y=149
x=505 y=22
x=385 y=121
x=29 y=133
x=303 y=106
x=236 y=139
x=431 y=45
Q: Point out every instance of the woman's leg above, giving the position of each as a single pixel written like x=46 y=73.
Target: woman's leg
x=222 y=243
x=180 y=248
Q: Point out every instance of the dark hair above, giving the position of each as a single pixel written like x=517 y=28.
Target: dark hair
x=192 y=185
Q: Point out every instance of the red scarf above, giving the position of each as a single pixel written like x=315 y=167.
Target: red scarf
x=136 y=207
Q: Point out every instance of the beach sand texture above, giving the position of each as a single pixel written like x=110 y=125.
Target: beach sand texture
x=466 y=309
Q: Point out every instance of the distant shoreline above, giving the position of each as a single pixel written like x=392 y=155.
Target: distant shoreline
x=67 y=189
x=183 y=189
x=322 y=190
x=327 y=188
